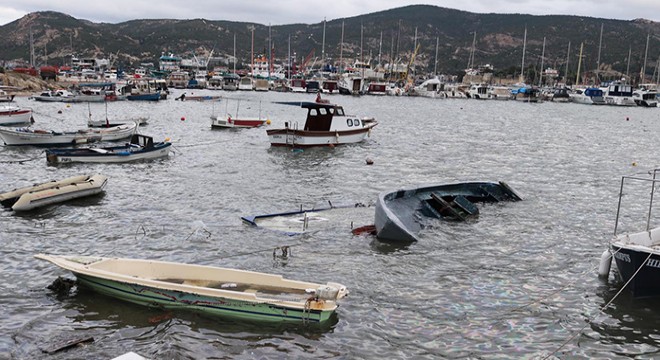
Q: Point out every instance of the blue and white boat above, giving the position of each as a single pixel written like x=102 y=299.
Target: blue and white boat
x=141 y=147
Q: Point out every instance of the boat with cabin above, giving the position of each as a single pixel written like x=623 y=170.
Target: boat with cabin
x=588 y=96
x=230 y=293
x=401 y=214
x=52 y=192
x=618 y=94
x=325 y=125
x=645 y=97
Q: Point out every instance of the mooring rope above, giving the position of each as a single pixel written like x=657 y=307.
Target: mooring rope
x=22 y=161
x=601 y=310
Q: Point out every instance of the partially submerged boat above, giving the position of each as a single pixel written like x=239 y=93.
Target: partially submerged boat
x=636 y=253
x=28 y=136
x=326 y=125
x=219 y=291
x=301 y=221
x=30 y=197
x=399 y=213
x=236 y=120
x=140 y=148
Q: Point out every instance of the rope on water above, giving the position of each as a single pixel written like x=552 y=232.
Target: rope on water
x=600 y=311
x=203 y=144
x=22 y=161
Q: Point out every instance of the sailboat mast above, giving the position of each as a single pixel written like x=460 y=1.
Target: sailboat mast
x=380 y=48
x=234 y=53
x=628 y=66
x=600 y=43
x=646 y=54
x=542 y=58
x=288 y=53
x=341 y=49
x=435 y=66
x=361 y=50
x=323 y=44
x=522 y=66
x=577 y=77
x=568 y=54
x=470 y=63
x=252 y=54
x=270 y=51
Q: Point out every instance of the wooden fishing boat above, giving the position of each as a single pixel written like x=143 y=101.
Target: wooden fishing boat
x=141 y=147
x=28 y=136
x=241 y=122
x=326 y=125
x=30 y=197
x=14 y=115
x=219 y=291
x=400 y=213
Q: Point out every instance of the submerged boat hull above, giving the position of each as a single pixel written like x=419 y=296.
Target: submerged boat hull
x=218 y=123
x=218 y=291
x=398 y=213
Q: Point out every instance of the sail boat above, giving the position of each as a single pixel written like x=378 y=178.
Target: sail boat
x=524 y=92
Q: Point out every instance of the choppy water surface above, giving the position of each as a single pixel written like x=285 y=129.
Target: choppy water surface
x=519 y=282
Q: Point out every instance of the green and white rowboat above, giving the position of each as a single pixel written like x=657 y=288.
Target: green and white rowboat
x=227 y=292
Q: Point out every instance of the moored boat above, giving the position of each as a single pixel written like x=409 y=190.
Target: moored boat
x=28 y=136
x=400 y=213
x=30 y=197
x=14 y=115
x=140 y=148
x=588 y=96
x=636 y=253
x=228 y=121
x=225 y=292
x=326 y=124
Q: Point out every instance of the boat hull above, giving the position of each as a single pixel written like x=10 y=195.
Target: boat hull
x=25 y=136
x=218 y=123
x=63 y=156
x=14 y=116
x=398 y=213
x=302 y=138
x=629 y=259
x=54 y=192
x=219 y=291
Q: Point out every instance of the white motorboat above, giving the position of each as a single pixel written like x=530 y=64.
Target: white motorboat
x=326 y=124
x=28 y=136
x=619 y=94
x=30 y=197
x=589 y=96
x=14 y=115
x=644 y=97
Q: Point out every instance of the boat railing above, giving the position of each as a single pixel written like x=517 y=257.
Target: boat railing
x=638 y=177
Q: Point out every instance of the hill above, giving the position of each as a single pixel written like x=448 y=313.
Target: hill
x=499 y=39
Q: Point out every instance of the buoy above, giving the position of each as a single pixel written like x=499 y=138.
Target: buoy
x=59 y=111
x=68 y=105
x=634 y=164
x=268 y=122
x=167 y=139
x=605 y=264
x=370 y=162
x=183 y=118
x=627 y=118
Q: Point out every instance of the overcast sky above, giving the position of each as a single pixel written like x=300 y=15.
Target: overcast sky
x=313 y=11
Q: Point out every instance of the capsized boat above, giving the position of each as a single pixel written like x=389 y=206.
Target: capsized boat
x=326 y=125
x=28 y=136
x=141 y=147
x=327 y=216
x=219 y=291
x=14 y=115
x=636 y=253
x=399 y=213
x=30 y=197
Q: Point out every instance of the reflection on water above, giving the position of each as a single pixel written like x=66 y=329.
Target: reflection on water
x=517 y=282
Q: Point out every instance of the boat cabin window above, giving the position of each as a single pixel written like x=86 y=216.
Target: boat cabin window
x=353 y=122
x=339 y=111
